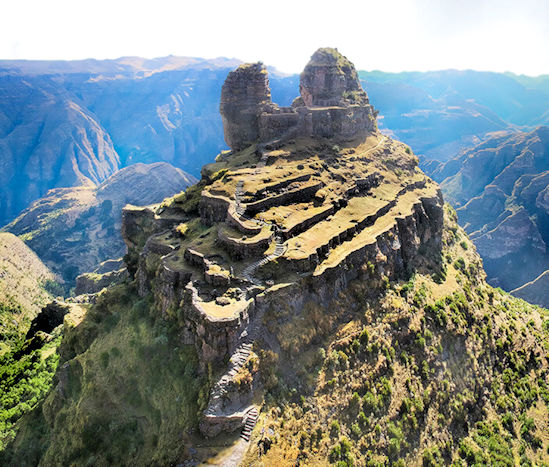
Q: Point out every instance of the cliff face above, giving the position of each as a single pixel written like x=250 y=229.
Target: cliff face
x=244 y=95
x=330 y=79
x=499 y=188
x=332 y=104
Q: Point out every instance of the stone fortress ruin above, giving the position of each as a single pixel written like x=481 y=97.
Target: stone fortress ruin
x=332 y=104
x=310 y=198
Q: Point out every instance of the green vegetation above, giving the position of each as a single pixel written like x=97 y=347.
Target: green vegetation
x=11 y=329
x=130 y=391
x=440 y=372
x=25 y=378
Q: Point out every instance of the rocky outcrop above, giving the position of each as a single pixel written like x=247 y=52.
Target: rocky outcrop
x=332 y=104
x=91 y=283
x=244 y=96
x=297 y=227
x=330 y=80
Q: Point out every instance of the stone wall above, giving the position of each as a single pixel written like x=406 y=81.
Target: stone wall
x=332 y=104
x=244 y=95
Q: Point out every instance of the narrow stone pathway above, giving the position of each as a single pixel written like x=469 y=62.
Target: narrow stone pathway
x=249 y=424
x=249 y=414
x=237 y=360
x=280 y=248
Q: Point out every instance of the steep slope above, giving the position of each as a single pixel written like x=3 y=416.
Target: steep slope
x=26 y=367
x=535 y=291
x=26 y=285
x=499 y=188
x=311 y=290
x=431 y=371
x=75 y=229
x=47 y=140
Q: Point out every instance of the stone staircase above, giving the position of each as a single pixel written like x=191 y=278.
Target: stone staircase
x=251 y=419
x=221 y=405
x=280 y=248
x=249 y=271
x=219 y=392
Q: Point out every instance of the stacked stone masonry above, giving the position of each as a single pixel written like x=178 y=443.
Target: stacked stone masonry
x=332 y=104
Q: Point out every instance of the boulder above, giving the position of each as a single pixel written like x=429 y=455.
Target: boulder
x=48 y=319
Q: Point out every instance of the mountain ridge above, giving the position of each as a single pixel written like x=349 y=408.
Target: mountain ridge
x=498 y=188
x=174 y=118
x=313 y=291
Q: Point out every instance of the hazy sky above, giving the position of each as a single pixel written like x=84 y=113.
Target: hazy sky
x=497 y=35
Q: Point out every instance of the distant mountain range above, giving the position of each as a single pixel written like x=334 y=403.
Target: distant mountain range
x=501 y=191
x=74 y=229
x=441 y=113
x=72 y=123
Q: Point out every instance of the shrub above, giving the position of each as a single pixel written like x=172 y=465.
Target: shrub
x=526 y=432
x=370 y=402
x=362 y=419
x=364 y=337
x=459 y=264
x=432 y=458
x=343 y=358
x=355 y=400
x=335 y=428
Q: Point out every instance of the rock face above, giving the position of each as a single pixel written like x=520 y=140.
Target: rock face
x=244 y=96
x=91 y=283
x=74 y=229
x=329 y=80
x=500 y=191
x=332 y=104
